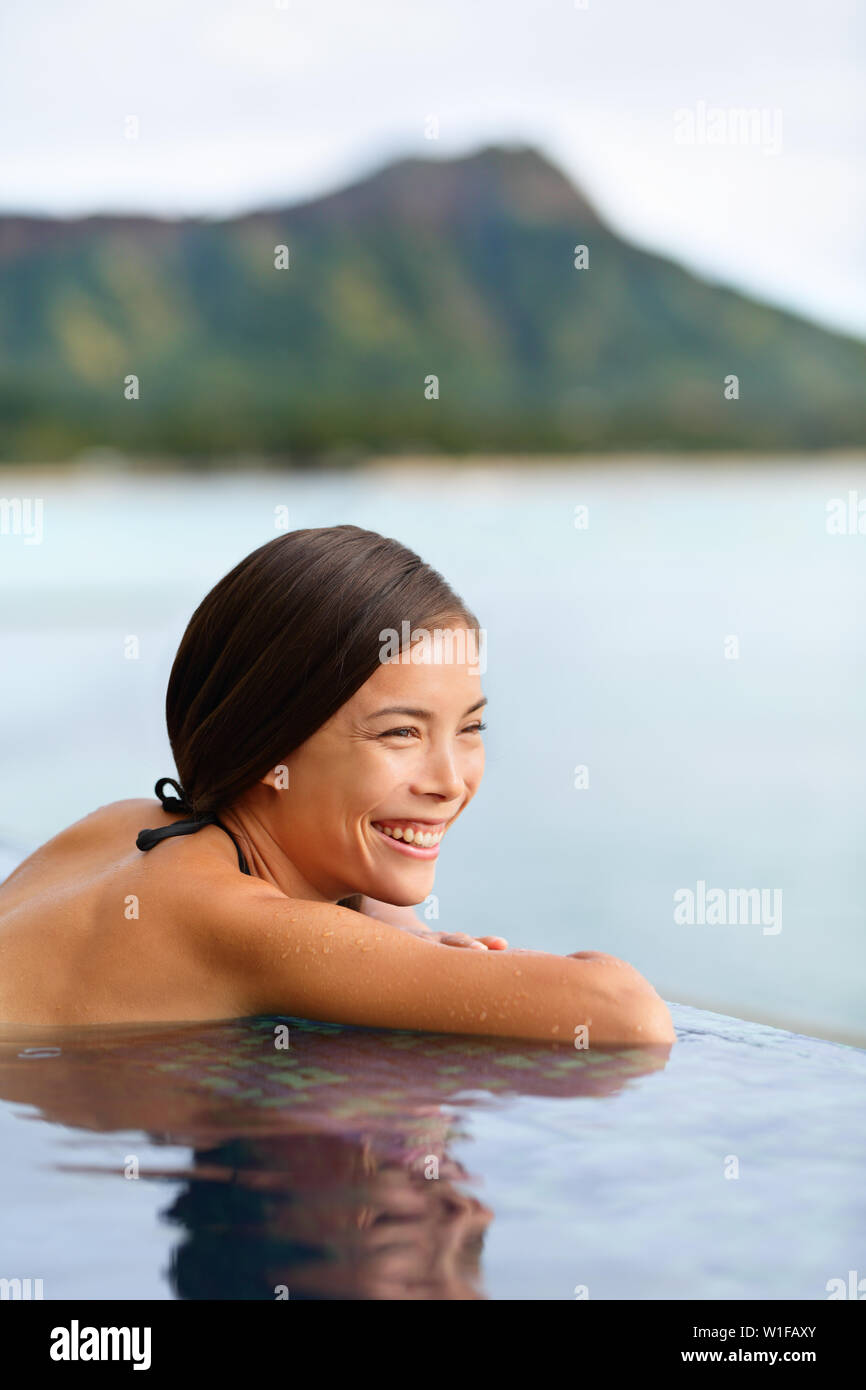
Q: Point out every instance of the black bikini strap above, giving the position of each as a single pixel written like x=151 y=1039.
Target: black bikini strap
x=146 y=839
x=242 y=863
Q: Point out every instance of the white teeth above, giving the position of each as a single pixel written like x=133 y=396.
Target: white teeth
x=425 y=838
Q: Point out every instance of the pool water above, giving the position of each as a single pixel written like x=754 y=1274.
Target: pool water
x=269 y=1158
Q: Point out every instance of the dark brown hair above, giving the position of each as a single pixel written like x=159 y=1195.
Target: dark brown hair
x=283 y=641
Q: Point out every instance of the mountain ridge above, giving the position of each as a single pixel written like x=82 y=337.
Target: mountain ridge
x=462 y=269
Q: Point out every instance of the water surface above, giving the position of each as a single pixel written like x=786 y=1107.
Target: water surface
x=364 y=1164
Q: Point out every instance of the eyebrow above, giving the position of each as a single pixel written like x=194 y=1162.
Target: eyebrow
x=423 y=713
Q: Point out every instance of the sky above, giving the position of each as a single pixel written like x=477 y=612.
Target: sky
x=268 y=102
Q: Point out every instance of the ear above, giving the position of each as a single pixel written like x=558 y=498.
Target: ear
x=277 y=778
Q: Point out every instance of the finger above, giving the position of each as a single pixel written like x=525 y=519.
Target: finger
x=494 y=943
x=461 y=939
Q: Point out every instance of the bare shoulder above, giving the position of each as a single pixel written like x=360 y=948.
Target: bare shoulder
x=89 y=843
x=115 y=817
x=135 y=811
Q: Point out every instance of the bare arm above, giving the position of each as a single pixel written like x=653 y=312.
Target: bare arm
x=324 y=962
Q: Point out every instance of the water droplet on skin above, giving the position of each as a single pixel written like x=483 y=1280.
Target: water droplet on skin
x=482 y=1016
x=37 y=1052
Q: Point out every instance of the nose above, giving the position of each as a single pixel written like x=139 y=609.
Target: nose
x=440 y=776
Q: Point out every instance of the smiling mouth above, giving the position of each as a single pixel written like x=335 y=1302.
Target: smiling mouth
x=418 y=839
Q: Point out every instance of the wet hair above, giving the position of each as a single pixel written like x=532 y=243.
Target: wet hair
x=281 y=642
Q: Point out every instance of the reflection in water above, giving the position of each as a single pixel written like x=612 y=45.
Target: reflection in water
x=319 y=1170
x=325 y=1216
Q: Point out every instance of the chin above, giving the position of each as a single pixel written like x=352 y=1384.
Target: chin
x=402 y=895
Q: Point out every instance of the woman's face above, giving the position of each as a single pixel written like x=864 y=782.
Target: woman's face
x=370 y=793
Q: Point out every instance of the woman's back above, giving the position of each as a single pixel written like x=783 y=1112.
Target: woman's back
x=92 y=930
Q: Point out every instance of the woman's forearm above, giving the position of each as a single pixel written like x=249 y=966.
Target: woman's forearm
x=349 y=968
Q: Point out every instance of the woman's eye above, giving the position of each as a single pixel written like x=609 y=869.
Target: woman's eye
x=396 y=733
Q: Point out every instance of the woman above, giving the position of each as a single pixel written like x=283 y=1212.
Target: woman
x=321 y=764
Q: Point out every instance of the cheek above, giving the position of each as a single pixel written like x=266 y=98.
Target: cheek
x=475 y=769
x=357 y=784
x=376 y=770
x=313 y=798
x=325 y=772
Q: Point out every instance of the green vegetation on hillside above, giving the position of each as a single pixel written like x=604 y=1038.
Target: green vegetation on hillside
x=460 y=269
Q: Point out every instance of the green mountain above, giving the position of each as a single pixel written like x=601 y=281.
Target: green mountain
x=463 y=270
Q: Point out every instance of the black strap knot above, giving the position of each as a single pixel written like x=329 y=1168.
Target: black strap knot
x=175 y=805
x=172 y=804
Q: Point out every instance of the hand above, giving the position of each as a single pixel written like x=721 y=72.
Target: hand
x=472 y=943
x=485 y=943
